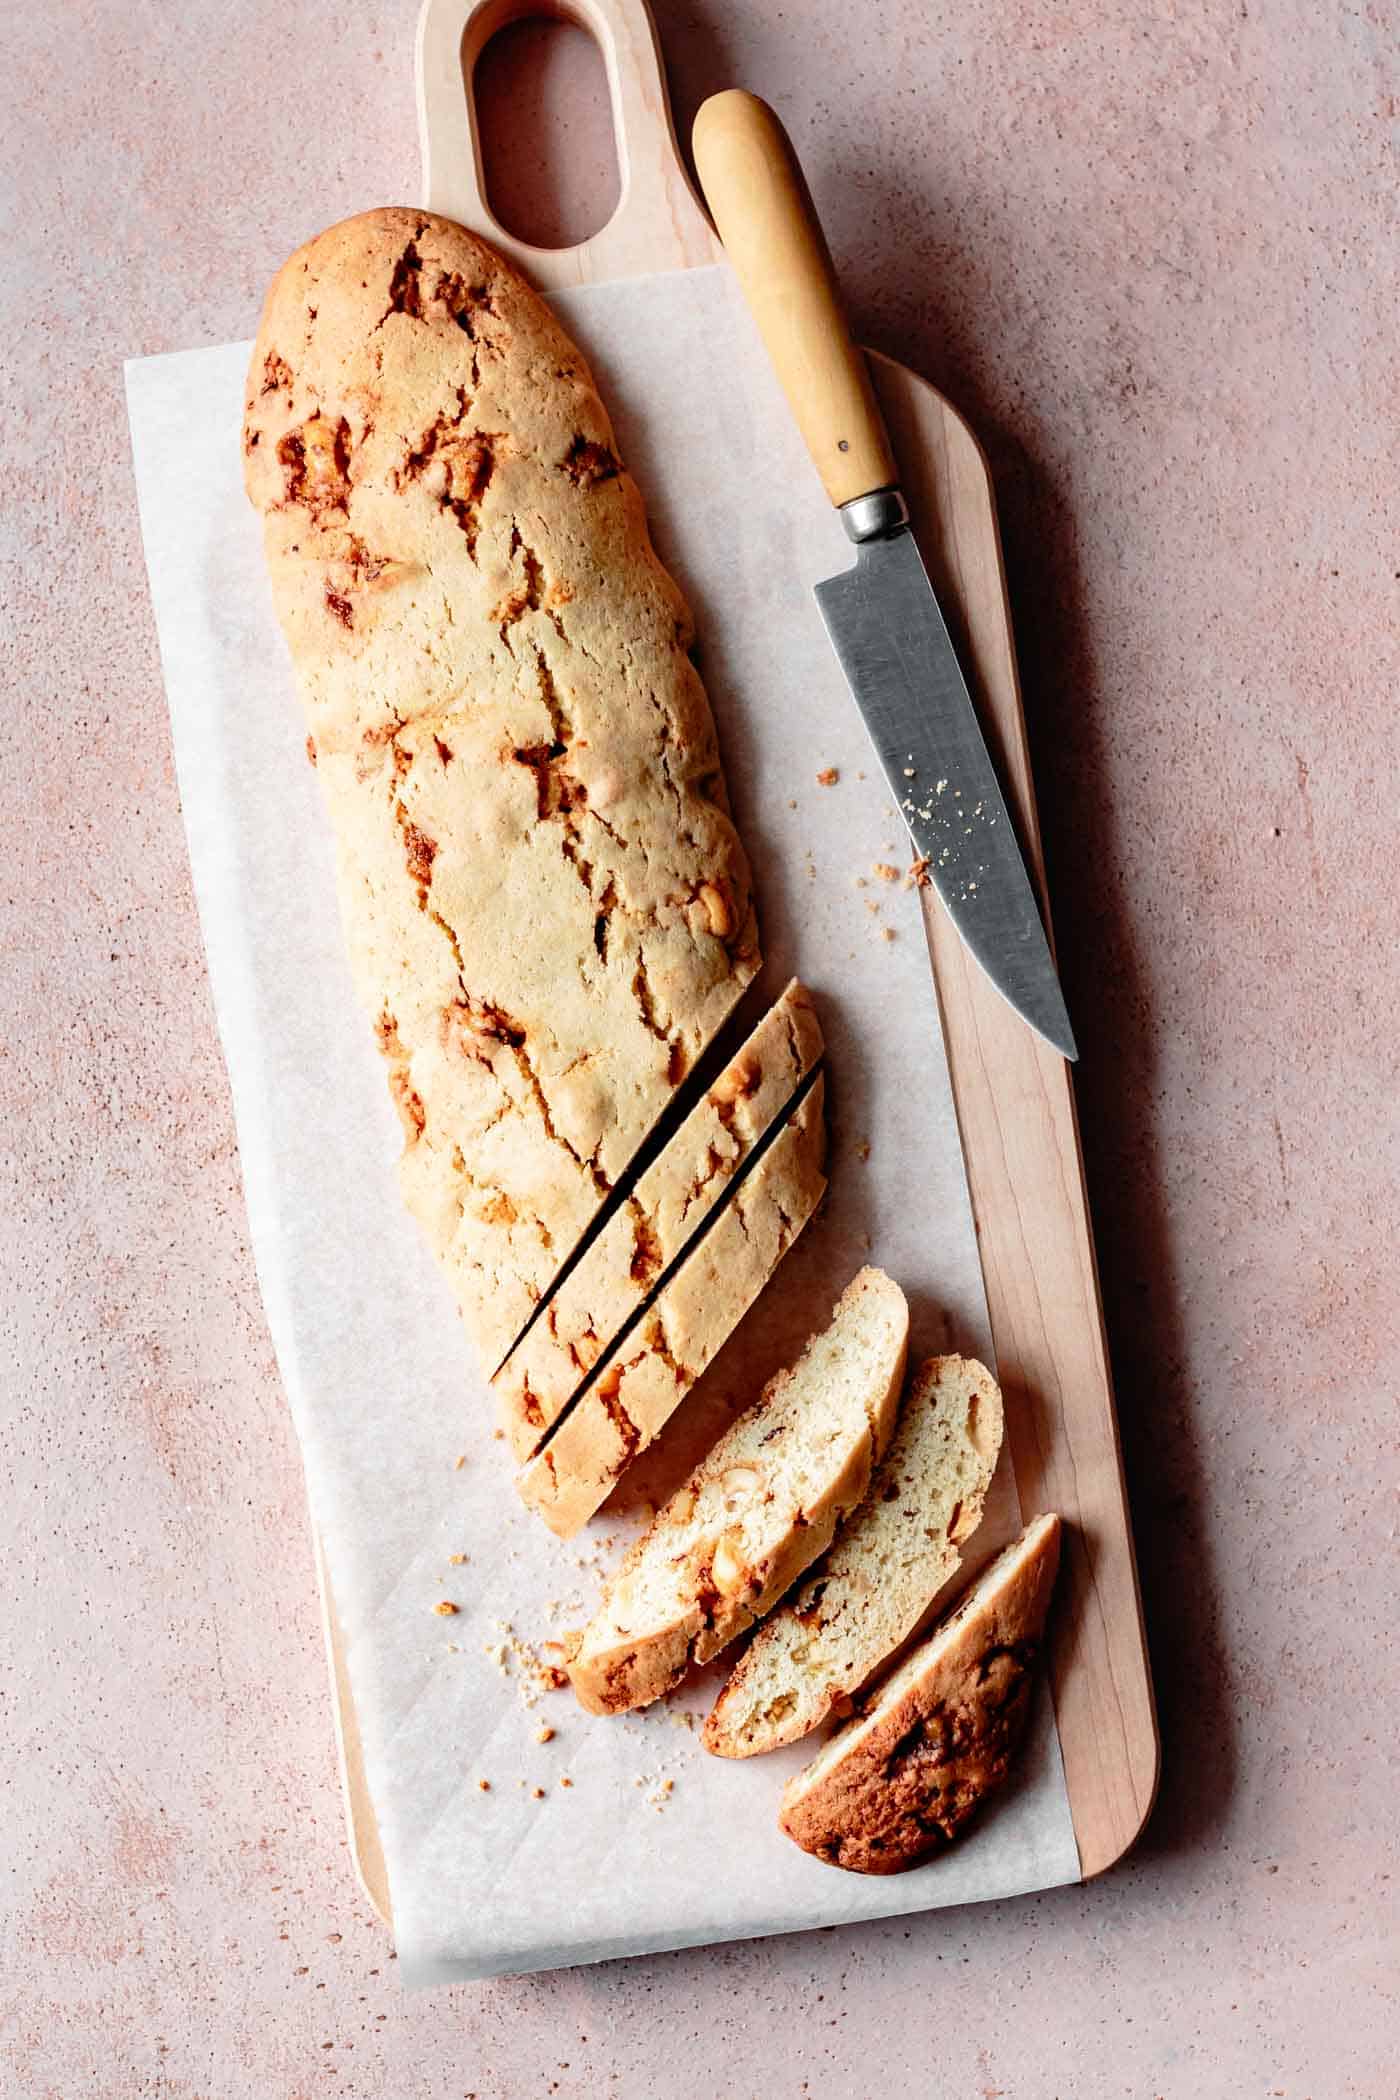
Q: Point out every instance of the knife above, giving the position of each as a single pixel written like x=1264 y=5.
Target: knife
x=882 y=615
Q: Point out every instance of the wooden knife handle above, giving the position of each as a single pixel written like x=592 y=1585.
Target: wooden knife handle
x=764 y=214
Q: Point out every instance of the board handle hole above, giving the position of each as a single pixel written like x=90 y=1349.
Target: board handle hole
x=545 y=131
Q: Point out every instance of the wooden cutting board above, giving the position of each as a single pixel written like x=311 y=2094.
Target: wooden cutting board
x=1013 y=1095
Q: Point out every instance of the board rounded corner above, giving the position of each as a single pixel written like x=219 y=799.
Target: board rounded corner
x=1100 y=1850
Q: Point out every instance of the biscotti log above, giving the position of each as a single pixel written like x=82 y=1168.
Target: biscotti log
x=893 y=1556
x=942 y=1730
x=547 y=907
x=756 y=1511
x=683 y=1329
x=669 y=1203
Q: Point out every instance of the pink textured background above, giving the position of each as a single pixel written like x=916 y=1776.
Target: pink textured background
x=1152 y=251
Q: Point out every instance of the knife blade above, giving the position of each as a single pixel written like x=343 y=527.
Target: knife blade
x=882 y=615
x=898 y=656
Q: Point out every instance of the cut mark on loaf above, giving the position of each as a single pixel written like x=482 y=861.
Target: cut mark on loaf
x=682 y=1331
x=598 y=1372
x=655 y=1210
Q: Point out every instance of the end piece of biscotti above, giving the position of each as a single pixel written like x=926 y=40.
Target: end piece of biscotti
x=670 y=1202
x=547 y=908
x=756 y=1511
x=905 y=1776
x=892 y=1558
x=683 y=1329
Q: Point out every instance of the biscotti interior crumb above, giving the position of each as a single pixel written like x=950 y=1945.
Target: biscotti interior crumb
x=759 y=1508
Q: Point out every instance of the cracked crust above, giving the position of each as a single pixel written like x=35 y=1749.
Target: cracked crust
x=546 y=903
x=620 y=1269
x=756 y=1511
x=810 y=1659
x=684 y=1328
x=941 y=1733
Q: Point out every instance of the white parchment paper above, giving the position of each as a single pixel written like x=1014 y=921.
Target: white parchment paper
x=378 y=1374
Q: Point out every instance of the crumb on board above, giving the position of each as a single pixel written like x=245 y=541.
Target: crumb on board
x=544 y=1734
x=565 y=1780
x=457 y=1560
x=537 y=1793
x=791 y=802
x=446 y=1609
x=886 y=872
x=917 y=877
x=484 y=1786
x=872 y=904
x=828 y=776
x=459 y=1461
x=887 y=933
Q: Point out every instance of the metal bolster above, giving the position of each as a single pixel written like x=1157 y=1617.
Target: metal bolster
x=877 y=516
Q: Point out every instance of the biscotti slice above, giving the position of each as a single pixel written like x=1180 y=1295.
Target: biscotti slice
x=905 y=1776
x=756 y=1511
x=546 y=904
x=669 y=1203
x=684 y=1327
x=892 y=1558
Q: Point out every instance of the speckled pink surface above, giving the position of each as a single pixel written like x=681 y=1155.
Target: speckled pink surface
x=1153 y=253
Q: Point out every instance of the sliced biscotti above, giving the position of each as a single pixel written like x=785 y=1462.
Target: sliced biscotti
x=756 y=1511
x=670 y=1201
x=546 y=904
x=893 y=1556
x=684 y=1327
x=941 y=1732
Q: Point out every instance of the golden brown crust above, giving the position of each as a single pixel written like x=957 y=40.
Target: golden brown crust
x=547 y=907
x=904 y=1778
